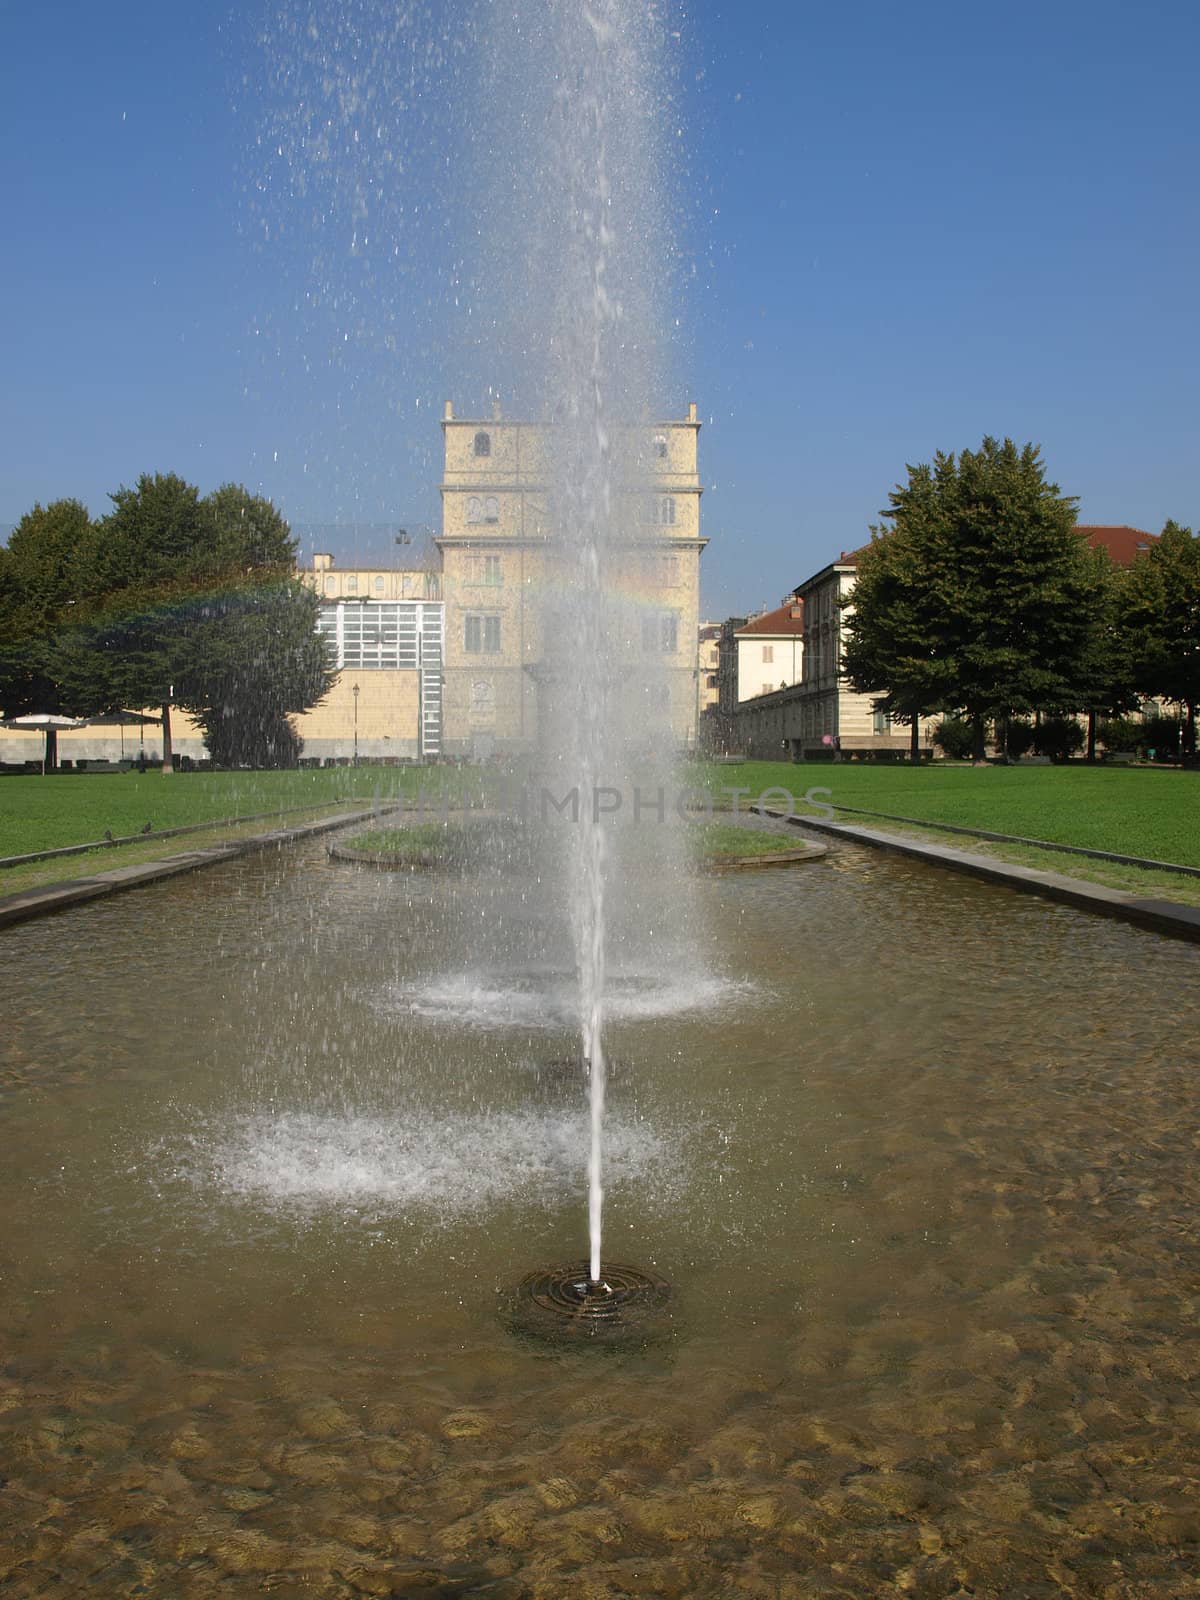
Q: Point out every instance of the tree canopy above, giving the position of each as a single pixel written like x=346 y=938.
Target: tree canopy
x=172 y=599
x=1161 y=616
x=980 y=598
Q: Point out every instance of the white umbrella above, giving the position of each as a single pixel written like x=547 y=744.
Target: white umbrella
x=49 y=723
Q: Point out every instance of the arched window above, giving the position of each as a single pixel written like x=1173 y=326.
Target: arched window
x=474 y=509
x=491 y=509
x=483 y=443
x=664 y=510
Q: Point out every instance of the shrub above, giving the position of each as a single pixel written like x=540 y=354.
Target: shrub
x=1122 y=733
x=1058 y=737
x=955 y=738
x=1018 y=738
x=1161 y=734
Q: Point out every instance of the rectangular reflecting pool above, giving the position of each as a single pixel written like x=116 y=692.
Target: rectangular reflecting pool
x=917 y=1155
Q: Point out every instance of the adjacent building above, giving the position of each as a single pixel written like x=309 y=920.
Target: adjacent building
x=822 y=715
x=770 y=650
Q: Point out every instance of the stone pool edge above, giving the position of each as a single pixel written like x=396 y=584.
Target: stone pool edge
x=1164 y=916
x=44 y=898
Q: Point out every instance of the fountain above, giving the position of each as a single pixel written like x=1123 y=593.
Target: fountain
x=589 y=319
x=919 y=1152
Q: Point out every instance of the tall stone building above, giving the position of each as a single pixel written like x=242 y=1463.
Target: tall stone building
x=500 y=558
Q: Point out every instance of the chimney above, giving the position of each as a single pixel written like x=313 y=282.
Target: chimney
x=448 y=411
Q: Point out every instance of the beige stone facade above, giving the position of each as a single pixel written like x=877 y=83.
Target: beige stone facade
x=386 y=628
x=500 y=564
x=451 y=661
x=708 y=664
x=821 y=716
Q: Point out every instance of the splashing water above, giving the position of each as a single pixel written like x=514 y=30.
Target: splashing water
x=557 y=198
x=596 y=319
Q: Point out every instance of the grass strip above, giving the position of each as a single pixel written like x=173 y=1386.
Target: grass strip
x=40 y=874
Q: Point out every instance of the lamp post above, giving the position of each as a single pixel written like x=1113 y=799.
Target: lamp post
x=354 y=692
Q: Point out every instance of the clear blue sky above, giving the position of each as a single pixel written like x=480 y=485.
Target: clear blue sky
x=911 y=225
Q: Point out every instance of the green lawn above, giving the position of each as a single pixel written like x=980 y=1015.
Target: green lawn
x=714 y=842
x=1130 y=810
x=39 y=813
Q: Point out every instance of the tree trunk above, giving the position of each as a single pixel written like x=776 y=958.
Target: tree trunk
x=1091 y=744
x=980 y=751
x=50 y=751
x=168 y=764
x=1189 y=732
x=914 y=739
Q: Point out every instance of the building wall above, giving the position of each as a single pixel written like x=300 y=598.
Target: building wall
x=708 y=663
x=500 y=567
x=756 y=674
x=798 y=721
x=387 y=715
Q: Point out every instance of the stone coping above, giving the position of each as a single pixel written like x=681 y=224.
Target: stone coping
x=776 y=858
x=37 y=902
x=1164 y=916
x=390 y=860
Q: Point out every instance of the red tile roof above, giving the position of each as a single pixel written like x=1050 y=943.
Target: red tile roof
x=786 y=619
x=1122 y=542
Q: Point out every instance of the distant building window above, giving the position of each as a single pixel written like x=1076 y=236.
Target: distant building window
x=883 y=723
x=660 y=633
x=484 y=570
x=663 y=510
x=768 y=654
x=491 y=509
x=712 y=680
x=352 y=584
x=330 y=585
x=374 y=633
x=474 y=509
x=483 y=444
x=378 y=585
x=481 y=636
x=660 y=446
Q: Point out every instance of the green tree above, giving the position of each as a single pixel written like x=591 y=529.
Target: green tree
x=1161 y=596
x=988 y=602
x=174 y=599
x=888 y=650
x=38 y=584
x=252 y=656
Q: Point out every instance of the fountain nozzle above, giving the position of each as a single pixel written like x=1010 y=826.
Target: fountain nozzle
x=568 y=1302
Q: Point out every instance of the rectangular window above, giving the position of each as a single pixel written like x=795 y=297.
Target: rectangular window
x=485 y=570
x=768 y=654
x=882 y=722
x=481 y=636
x=378 y=634
x=660 y=633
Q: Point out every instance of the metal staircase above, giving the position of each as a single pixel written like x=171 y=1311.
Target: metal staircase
x=431 y=679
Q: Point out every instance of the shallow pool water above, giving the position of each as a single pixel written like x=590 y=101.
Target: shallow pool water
x=917 y=1154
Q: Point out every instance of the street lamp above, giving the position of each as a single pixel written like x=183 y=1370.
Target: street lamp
x=354 y=692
